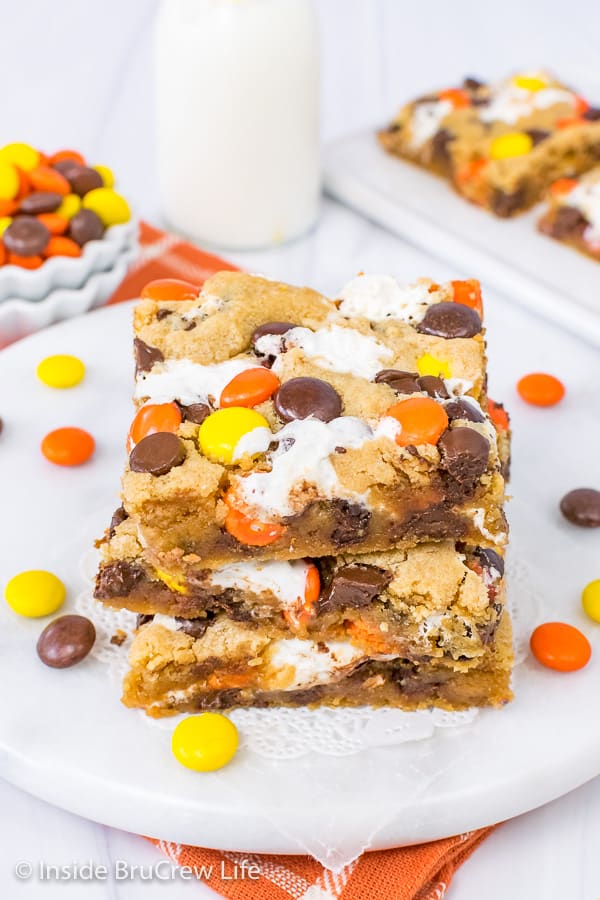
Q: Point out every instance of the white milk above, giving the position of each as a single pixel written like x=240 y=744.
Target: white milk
x=238 y=119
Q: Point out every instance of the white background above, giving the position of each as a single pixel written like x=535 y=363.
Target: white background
x=79 y=73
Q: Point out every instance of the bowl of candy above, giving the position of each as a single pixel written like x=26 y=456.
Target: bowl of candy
x=67 y=237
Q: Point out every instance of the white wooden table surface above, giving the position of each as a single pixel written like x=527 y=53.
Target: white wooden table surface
x=80 y=74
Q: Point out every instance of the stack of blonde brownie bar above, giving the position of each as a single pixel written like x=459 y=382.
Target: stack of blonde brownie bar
x=312 y=510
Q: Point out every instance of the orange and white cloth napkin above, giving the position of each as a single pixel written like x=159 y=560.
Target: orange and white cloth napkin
x=422 y=872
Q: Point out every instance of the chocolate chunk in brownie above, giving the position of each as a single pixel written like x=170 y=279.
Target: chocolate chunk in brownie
x=354 y=586
x=118 y=516
x=145 y=356
x=353 y=523
x=568 y=222
x=504 y=205
x=117 y=579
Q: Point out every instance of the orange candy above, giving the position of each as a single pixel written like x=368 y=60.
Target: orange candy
x=170 y=289
x=471 y=170
x=54 y=223
x=26 y=262
x=559 y=646
x=68 y=446
x=457 y=97
x=540 y=389
x=24 y=185
x=312 y=590
x=251 y=531
x=563 y=186
x=8 y=207
x=423 y=421
x=151 y=419
x=367 y=634
x=2 y=254
x=62 y=246
x=60 y=155
x=468 y=293
x=43 y=178
x=569 y=121
x=498 y=415
x=249 y=388
x=581 y=106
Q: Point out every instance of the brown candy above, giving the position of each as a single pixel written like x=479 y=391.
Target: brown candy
x=26 y=236
x=401 y=382
x=83 y=179
x=440 y=146
x=354 y=586
x=300 y=398
x=504 y=205
x=462 y=409
x=145 y=356
x=270 y=328
x=157 y=454
x=592 y=114
x=465 y=454
x=196 y=628
x=118 y=517
x=450 y=320
x=40 y=202
x=490 y=559
x=118 y=579
x=582 y=507
x=85 y=226
x=195 y=412
x=434 y=386
x=567 y=222
x=538 y=135
x=66 y=641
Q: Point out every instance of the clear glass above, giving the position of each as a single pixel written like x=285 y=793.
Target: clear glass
x=237 y=90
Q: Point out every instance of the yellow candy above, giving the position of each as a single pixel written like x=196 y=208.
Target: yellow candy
x=171 y=582
x=205 y=743
x=220 y=432
x=61 y=371
x=35 y=593
x=515 y=143
x=4 y=223
x=9 y=181
x=111 y=207
x=70 y=205
x=106 y=175
x=22 y=155
x=530 y=82
x=590 y=599
x=429 y=365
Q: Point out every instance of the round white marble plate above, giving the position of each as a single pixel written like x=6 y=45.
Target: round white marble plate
x=65 y=737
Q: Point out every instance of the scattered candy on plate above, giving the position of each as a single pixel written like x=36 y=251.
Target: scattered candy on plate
x=206 y=742
x=35 y=593
x=61 y=371
x=559 y=646
x=52 y=206
x=541 y=389
x=66 y=641
x=582 y=507
x=68 y=446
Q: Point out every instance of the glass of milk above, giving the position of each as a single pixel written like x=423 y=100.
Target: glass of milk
x=237 y=84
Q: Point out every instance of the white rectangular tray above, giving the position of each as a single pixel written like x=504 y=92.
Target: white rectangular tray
x=554 y=281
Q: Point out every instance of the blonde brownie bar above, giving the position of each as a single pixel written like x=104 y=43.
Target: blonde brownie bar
x=330 y=460
x=573 y=214
x=499 y=145
x=234 y=664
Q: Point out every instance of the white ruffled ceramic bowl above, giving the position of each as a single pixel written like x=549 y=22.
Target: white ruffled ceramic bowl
x=20 y=317
x=34 y=285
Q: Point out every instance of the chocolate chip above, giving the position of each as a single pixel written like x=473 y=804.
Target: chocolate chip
x=537 y=135
x=450 y=320
x=401 y=382
x=393 y=128
x=352 y=523
x=26 y=236
x=299 y=398
x=66 y=641
x=196 y=628
x=195 y=412
x=567 y=222
x=440 y=146
x=434 y=386
x=85 y=226
x=118 y=579
x=163 y=313
x=582 y=507
x=157 y=454
x=190 y=326
x=462 y=409
x=465 y=454
x=142 y=619
x=472 y=84
x=40 y=202
x=270 y=328
x=83 y=179
x=489 y=559
x=592 y=114
x=145 y=356
x=118 y=517
x=487 y=631
x=354 y=586
x=504 y=205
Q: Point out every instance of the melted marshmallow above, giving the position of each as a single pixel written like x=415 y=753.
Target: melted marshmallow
x=302 y=457
x=313 y=665
x=586 y=198
x=426 y=120
x=209 y=304
x=188 y=382
x=378 y=297
x=339 y=350
x=510 y=103
x=286 y=580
